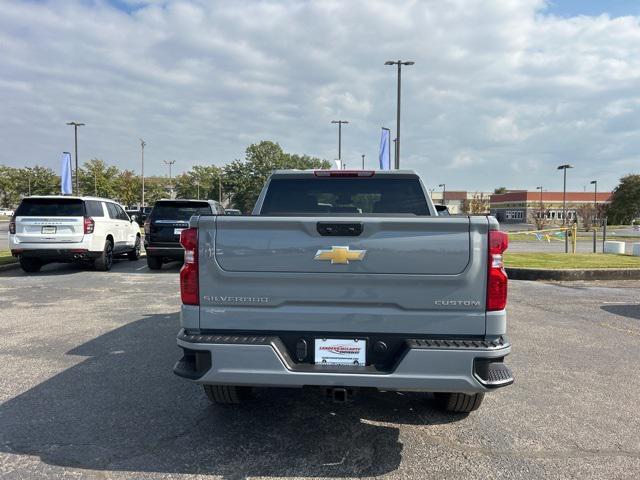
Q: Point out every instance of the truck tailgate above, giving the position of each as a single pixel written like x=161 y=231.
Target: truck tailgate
x=398 y=275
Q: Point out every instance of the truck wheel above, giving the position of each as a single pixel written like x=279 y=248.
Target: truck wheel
x=30 y=265
x=227 y=394
x=459 y=402
x=134 y=254
x=104 y=261
x=154 y=263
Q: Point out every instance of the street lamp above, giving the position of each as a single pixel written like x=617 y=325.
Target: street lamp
x=595 y=193
x=75 y=129
x=142 y=145
x=444 y=191
x=170 y=163
x=363 y=161
x=564 y=193
x=340 y=122
x=399 y=63
x=198 y=185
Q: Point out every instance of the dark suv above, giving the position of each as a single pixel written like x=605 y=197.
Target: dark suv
x=163 y=226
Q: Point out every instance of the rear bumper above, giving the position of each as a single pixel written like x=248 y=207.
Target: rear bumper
x=56 y=254
x=263 y=361
x=176 y=252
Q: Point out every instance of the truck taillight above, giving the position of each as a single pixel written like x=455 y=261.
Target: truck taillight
x=89 y=225
x=189 y=283
x=497 y=277
x=12 y=225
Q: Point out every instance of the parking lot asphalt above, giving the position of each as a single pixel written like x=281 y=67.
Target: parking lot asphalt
x=87 y=391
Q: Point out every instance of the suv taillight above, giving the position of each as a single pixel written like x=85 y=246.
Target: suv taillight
x=12 y=225
x=89 y=225
x=497 y=277
x=189 y=284
x=147 y=227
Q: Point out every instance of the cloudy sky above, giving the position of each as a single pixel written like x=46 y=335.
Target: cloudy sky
x=502 y=91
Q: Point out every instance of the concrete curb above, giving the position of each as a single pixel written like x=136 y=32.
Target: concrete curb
x=9 y=266
x=576 y=274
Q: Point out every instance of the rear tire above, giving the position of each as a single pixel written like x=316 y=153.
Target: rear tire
x=227 y=394
x=134 y=254
x=154 y=263
x=459 y=402
x=104 y=261
x=30 y=265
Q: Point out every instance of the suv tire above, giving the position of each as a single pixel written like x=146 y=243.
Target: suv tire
x=30 y=265
x=459 y=402
x=154 y=263
x=134 y=254
x=104 y=261
x=227 y=394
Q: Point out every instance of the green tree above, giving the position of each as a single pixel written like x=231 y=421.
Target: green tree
x=128 y=187
x=500 y=190
x=243 y=179
x=99 y=179
x=207 y=177
x=625 y=204
x=16 y=183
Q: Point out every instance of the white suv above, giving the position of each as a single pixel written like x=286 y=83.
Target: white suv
x=62 y=229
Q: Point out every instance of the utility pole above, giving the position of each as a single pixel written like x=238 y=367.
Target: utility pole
x=220 y=188
x=399 y=63
x=363 y=161
x=340 y=122
x=444 y=191
x=198 y=185
x=142 y=145
x=170 y=163
x=595 y=193
x=95 y=183
x=75 y=130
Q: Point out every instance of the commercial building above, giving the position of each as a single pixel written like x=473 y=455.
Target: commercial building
x=461 y=201
x=521 y=206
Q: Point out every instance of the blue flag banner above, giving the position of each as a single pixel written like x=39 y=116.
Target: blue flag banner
x=65 y=174
x=385 y=159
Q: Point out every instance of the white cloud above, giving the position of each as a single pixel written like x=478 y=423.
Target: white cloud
x=500 y=90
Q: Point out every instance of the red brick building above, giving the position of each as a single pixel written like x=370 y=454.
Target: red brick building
x=520 y=206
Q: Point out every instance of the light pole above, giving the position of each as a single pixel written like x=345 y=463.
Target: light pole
x=399 y=63
x=363 y=161
x=340 y=122
x=444 y=191
x=75 y=130
x=142 y=145
x=170 y=163
x=95 y=183
x=564 y=192
x=198 y=185
x=595 y=193
x=29 y=177
x=564 y=204
x=540 y=188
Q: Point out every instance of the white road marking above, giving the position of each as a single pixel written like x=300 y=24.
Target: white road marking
x=141 y=268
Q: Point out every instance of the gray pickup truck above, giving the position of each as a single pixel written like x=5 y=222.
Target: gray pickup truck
x=345 y=280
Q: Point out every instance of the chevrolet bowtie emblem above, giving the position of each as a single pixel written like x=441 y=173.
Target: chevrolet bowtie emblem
x=340 y=255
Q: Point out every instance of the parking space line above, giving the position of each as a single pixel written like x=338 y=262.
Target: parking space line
x=141 y=268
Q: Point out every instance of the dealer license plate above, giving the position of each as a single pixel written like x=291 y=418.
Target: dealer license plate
x=49 y=230
x=333 y=351
x=176 y=231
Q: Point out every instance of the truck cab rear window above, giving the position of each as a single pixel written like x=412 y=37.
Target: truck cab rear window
x=345 y=196
x=50 y=207
x=179 y=210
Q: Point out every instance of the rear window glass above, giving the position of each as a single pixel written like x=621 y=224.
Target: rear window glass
x=50 y=207
x=345 y=196
x=179 y=210
x=94 y=209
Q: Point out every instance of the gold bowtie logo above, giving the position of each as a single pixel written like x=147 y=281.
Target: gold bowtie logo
x=340 y=255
